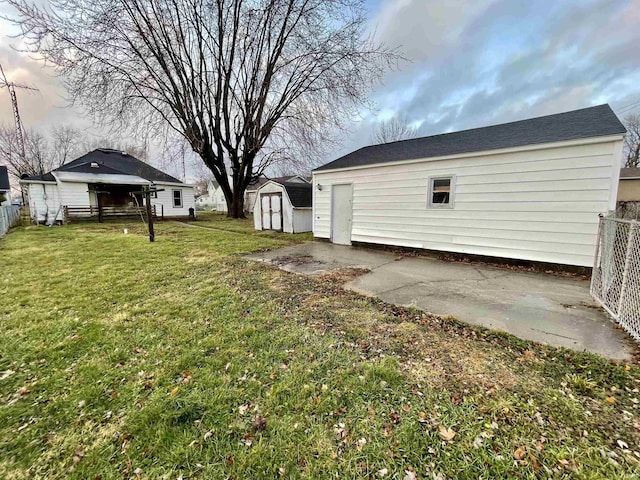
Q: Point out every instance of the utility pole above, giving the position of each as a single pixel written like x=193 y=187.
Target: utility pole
x=4 y=82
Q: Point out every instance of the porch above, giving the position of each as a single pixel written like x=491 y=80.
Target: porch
x=113 y=201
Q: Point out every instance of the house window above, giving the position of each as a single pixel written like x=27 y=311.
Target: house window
x=177 y=198
x=440 y=194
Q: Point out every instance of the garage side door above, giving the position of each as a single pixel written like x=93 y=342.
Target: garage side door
x=341 y=213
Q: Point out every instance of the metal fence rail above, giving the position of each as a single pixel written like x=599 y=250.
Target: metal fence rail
x=9 y=217
x=615 y=281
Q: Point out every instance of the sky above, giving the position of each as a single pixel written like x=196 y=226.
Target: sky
x=469 y=64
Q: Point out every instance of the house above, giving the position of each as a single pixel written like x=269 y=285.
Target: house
x=5 y=187
x=629 y=188
x=207 y=199
x=529 y=190
x=106 y=180
x=283 y=205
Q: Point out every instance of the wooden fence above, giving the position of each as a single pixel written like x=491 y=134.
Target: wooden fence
x=9 y=217
x=71 y=213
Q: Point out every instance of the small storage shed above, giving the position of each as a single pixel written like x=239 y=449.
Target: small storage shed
x=529 y=190
x=283 y=206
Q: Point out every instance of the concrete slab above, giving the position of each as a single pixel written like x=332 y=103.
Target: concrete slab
x=535 y=306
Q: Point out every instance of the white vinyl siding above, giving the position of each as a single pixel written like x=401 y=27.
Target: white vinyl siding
x=537 y=204
x=164 y=201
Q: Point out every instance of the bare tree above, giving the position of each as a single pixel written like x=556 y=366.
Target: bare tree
x=632 y=140
x=240 y=80
x=43 y=153
x=393 y=130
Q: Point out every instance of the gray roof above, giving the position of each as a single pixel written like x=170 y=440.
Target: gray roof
x=281 y=180
x=629 y=173
x=299 y=193
x=585 y=123
x=110 y=162
x=4 y=179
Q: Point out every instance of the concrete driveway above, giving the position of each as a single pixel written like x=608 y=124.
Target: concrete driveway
x=535 y=306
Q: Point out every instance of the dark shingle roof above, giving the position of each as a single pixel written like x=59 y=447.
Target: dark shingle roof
x=299 y=193
x=120 y=162
x=629 y=173
x=4 y=178
x=585 y=123
x=262 y=180
x=47 y=177
x=110 y=162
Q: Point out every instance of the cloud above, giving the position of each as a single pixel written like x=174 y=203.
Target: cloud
x=487 y=62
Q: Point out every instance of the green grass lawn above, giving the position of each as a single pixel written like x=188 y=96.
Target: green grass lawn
x=179 y=359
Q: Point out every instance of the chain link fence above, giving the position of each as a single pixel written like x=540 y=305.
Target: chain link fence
x=615 y=281
x=9 y=217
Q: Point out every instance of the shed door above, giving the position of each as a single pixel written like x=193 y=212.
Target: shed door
x=271 y=211
x=341 y=212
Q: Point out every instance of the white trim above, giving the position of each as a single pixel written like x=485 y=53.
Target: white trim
x=27 y=182
x=615 y=176
x=524 y=148
x=452 y=191
x=176 y=184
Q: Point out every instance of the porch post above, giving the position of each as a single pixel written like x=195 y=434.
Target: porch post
x=147 y=199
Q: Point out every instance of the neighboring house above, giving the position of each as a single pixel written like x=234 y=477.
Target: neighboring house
x=105 y=177
x=528 y=190
x=5 y=187
x=629 y=188
x=283 y=205
x=208 y=199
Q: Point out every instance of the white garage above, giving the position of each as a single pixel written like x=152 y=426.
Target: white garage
x=283 y=207
x=529 y=190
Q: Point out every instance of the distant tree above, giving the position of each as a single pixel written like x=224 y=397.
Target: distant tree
x=242 y=81
x=632 y=140
x=393 y=130
x=43 y=152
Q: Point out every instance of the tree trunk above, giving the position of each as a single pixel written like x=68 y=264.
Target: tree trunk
x=235 y=205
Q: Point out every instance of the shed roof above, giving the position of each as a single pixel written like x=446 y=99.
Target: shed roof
x=110 y=162
x=299 y=193
x=589 y=122
x=629 y=173
x=4 y=179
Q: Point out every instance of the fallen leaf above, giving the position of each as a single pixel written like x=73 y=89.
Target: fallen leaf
x=174 y=391
x=259 y=423
x=445 y=433
x=410 y=475
x=520 y=452
x=611 y=400
x=23 y=391
x=382 y=472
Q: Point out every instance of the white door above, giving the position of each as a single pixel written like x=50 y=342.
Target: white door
x=276 y=211
x=271 y=211
x=265 y=200
x=341 y=212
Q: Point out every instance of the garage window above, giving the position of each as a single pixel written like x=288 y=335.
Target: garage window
x=177 y=198
x=440 y=192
